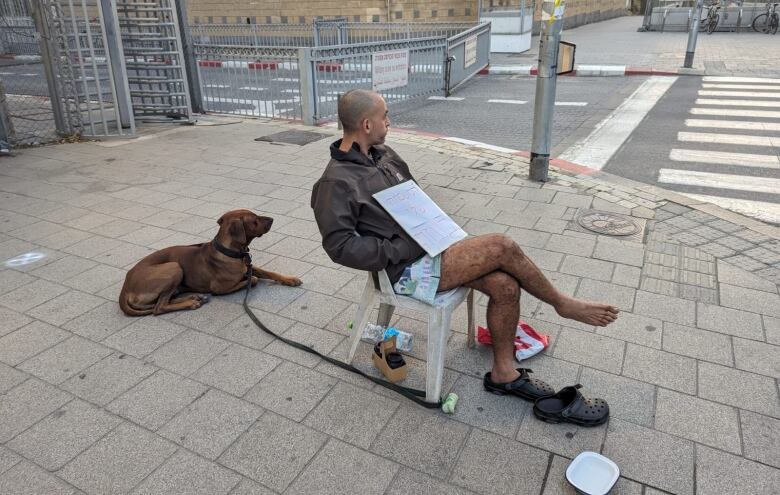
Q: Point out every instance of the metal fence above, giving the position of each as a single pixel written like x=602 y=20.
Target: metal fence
x=468 y=52
x=248 y=80
x=18 y=36
x=292 y=35
x=304 y=82
x=675 y=15
x=335 y=70
x=321 y=33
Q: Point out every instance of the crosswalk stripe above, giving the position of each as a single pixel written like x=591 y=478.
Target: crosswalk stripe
x=741 y=86
x=571 y=103
x=724 y=158
x=732 y=124
x=737 y=103
x=725 y=79
x=717 y=138
x=761 y=210
x=746 y=94
x=728 y=112
x=445 y=98
x=511 y=102
x=609 y=135
x=478 y=144
x=722 y=181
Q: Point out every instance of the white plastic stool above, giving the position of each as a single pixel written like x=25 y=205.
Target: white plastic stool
x=439 y=316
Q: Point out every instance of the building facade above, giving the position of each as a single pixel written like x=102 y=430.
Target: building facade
x=305 y=11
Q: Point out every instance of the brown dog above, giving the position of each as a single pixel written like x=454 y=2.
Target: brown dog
x=181 y=277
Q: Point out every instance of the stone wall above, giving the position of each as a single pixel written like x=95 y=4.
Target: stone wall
x=304 y=11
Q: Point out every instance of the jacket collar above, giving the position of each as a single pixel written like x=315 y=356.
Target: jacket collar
x=354 y=155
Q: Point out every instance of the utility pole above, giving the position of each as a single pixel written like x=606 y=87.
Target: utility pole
x=693 y=33
x=546 y=78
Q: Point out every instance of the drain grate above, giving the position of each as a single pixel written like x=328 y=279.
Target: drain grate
x=301 y=138
x=608 y=223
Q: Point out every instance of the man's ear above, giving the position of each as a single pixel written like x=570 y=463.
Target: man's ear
x=236 y=230
x=366 y=126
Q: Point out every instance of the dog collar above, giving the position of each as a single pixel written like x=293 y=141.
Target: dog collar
x=232 y=253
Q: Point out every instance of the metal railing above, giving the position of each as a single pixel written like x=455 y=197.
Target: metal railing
x=321 y=33
x=292 y=35
x=249 y=80
x=359 y=32
x=337 y=69
x=468 y=53
x=675 y=15
x=304 y=82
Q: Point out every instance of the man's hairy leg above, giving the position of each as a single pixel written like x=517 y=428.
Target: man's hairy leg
x=503 y=311
x=470 y=259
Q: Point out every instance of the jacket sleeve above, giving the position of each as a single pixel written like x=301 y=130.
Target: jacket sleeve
x=336 y=213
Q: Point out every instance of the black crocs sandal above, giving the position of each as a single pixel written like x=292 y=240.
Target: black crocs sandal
x=524 y=386
x=569 y=406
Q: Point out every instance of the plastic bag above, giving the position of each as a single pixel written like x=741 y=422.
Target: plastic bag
x=528 y=342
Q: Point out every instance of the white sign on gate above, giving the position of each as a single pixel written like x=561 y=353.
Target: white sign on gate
x=390 y=69
x=470 y=57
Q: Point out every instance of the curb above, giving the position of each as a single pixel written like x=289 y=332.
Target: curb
x=21 y=58
x=586 y=71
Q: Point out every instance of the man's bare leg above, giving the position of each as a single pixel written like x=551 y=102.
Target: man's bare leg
x=503 y=311
x=470 y=260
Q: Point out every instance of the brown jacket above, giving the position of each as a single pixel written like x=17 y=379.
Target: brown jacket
x=356 y=231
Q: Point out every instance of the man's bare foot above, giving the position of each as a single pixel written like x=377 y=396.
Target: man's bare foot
x=591 y=313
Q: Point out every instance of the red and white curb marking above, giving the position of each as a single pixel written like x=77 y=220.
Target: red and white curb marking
x=580 y=70
x=21 y=58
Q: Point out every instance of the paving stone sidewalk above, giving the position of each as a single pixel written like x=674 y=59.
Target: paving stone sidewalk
x=95 y=402
x=617 y=42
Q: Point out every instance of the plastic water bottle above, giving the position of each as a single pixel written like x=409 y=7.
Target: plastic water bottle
x=377 y=333
x=373 y=333
x=403 y=340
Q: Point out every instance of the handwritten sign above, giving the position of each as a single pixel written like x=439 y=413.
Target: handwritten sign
x=471 y=52
x=420 y=217
x=389 y=69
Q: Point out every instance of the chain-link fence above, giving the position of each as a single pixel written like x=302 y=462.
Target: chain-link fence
x=26 y=100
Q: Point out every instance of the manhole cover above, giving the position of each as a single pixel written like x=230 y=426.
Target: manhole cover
x=300 y=138
x=607 y=223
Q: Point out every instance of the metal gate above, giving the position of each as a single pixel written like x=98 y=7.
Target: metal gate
x=467 y=54
x=151 y=42
x=79 y=56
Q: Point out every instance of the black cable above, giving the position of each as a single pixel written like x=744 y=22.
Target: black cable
x=410 y=393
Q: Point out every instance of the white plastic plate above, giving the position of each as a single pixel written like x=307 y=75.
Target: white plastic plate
x=592 y=473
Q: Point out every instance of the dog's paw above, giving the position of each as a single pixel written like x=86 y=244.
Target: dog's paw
x=204 y=298
x=293 y=282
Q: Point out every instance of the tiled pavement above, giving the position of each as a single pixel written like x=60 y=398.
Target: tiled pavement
x=201 y=402
x=617 y=42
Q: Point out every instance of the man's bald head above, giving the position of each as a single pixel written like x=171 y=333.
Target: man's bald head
x=355 y=106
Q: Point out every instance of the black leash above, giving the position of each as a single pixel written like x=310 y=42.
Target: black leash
x=412 y=394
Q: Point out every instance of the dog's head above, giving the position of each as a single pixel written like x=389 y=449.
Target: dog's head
x=241 y=226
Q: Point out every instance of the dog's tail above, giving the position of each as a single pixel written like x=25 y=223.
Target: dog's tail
x=128 y=309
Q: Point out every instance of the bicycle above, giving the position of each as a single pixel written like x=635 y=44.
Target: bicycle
x=768 y=21
x=710 y=23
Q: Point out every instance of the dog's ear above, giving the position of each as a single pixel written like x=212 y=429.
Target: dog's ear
x=221 y=219
x=236 y=230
